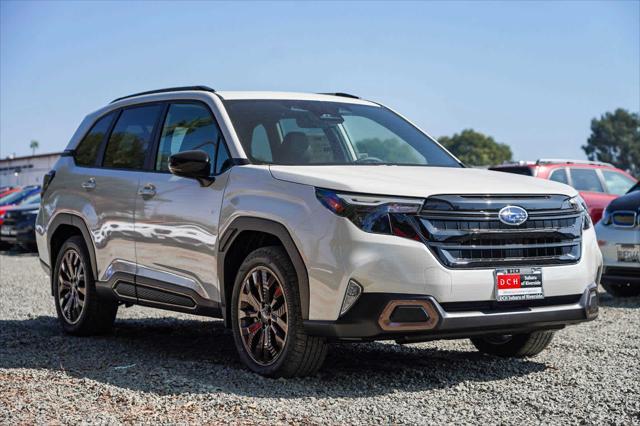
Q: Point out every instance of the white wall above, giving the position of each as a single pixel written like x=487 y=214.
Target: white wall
x=26 y=170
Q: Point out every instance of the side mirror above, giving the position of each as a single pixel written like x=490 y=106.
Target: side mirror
x=192 y=164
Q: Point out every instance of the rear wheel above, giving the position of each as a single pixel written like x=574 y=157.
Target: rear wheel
x=80 y=310
x=266 y=318
x=514 y=345
x=622 y=290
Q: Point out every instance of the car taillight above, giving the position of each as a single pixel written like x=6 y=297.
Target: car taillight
x=46 y=180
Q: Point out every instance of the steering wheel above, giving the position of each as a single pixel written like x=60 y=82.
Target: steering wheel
x=373 y=160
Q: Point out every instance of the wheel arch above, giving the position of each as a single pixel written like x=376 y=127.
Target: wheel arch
x=244 y=235
x=63 y=226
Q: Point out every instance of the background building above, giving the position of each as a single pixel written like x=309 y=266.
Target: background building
x=29 y=170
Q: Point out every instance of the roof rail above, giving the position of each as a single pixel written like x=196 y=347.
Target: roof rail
x=342 y=94
x=565 y=161
x=516 y=163
x=168 y=89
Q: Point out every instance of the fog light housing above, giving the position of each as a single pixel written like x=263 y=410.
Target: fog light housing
x=354 y=290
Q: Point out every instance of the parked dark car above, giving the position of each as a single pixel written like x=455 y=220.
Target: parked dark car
x=18 y=228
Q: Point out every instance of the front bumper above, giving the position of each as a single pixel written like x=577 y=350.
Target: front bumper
x=369 y=320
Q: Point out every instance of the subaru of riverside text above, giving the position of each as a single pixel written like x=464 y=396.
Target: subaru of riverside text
x=305 y=219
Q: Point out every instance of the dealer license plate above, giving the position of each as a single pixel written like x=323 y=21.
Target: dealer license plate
x=628 y=253
x=518 y=284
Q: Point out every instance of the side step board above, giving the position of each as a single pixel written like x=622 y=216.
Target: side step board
x=142 y=291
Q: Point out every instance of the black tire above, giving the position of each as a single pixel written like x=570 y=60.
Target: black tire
x=300 y=355
x=622 y=290
x=517 y=345
x=96 y=316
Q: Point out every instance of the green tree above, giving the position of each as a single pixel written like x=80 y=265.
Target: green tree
x=476 y=149
x=34 y=145
x=615 y=138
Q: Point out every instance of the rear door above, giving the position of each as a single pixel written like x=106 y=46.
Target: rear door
x=177 y=217
x=107 y=180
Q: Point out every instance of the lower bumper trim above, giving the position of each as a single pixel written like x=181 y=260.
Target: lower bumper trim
x=361 y=322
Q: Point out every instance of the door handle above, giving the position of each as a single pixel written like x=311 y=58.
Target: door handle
x=149 y=190
x=90 y=184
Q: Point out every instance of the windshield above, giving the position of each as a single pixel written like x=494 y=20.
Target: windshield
x=33 y=199
x=326 y=133
x=13 y=197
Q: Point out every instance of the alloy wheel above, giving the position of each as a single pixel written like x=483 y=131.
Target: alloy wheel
x=72 y=286
x=262 y=315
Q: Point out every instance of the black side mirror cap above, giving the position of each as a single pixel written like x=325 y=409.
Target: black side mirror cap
x=194 y=164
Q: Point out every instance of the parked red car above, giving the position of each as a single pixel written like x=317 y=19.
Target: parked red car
x=598 y=183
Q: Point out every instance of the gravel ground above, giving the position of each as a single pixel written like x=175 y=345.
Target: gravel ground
x=172 y=368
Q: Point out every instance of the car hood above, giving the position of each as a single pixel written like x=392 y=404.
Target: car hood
x=630 y=201
x=413 y=181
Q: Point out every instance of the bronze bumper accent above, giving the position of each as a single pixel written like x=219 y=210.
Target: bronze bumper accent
x=387 y=324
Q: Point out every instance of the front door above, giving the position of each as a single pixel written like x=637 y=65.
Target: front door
x=177 y=218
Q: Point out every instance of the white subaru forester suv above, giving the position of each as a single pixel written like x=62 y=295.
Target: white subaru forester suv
x=302 y=219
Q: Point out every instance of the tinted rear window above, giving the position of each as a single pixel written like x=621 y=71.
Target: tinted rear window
x=129 y=141
x=586 y=180
x=87 y=152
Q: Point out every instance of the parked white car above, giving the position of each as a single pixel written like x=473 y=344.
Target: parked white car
x=307 y=218
x=619 y=238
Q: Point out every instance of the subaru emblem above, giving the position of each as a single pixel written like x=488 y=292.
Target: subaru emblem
x=513 y=215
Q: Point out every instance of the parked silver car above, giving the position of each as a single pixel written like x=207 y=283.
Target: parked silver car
x=619 y=239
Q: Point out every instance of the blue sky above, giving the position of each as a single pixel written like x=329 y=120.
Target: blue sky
x=530 y=74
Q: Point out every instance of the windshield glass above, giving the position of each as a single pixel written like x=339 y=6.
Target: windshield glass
x=33 y=199
x=327 y=133
x=13 y=198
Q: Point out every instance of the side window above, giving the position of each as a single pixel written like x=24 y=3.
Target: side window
x=187 y=127
x=87 y=151
x=559 y=175
x=617 y=183
x=586 y=180
x=260 y=148
x=129 y=140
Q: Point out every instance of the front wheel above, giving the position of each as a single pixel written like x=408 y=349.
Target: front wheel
x=514 y=345
x=267 y=321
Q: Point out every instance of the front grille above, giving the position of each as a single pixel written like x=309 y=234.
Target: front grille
x=618 y=271
x=465 y=231
x=12 y=217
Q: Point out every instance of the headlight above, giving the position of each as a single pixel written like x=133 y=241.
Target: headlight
x=380 y=215
x=577 y=203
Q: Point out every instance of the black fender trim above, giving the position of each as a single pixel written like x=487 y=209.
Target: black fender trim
x=76 y=222
x=245 y=223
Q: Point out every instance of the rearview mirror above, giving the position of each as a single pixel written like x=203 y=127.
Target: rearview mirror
x=192 y=164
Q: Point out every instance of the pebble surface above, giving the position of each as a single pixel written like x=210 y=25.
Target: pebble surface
x=161 y=367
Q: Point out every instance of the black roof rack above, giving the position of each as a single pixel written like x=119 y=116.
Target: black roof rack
x=168 y=89
x=344 y=95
